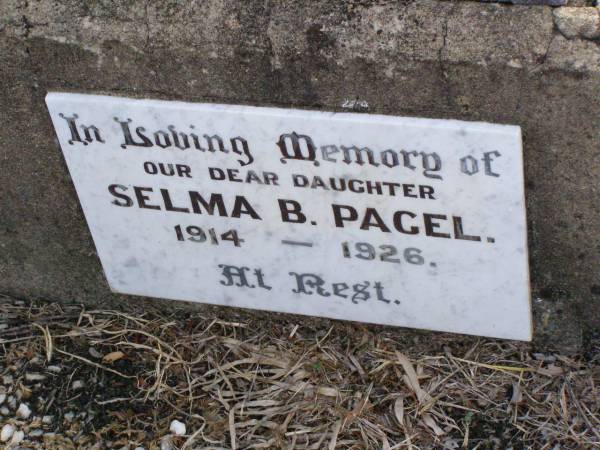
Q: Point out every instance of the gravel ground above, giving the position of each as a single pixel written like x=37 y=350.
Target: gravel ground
x=72 y=377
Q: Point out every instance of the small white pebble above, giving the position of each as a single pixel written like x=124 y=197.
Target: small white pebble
x=77 y=384
x=24 y=411
x=7 y=432
x=7 y=379
x=69 y=416
x=139 y=448
x=12 y=402
x=17 y=438
x=54 y=369
x=177 y=428
x=36 y=433
x=47 y=419
x=2 y=398
x=34 y=377
x=4 y=411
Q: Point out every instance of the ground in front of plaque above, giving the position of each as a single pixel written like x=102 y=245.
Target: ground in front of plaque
x=77 y=378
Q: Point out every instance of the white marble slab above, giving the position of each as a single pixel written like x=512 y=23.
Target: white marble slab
x=439 y=243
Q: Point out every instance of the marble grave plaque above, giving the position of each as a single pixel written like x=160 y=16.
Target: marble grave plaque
x=389 y=220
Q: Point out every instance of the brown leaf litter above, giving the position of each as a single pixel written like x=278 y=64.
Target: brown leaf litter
x=97 y=378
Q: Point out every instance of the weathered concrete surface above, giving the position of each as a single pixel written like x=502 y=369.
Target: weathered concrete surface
x=578 y=22
x=470 y=61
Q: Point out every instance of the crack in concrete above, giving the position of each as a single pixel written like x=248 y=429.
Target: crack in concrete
x=536 y=68
x=544 y=58
x=147 y=23
x=26 y=26
x=441 y=62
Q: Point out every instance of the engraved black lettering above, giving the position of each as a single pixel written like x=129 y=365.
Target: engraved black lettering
x=295 y=140
x=121 y=199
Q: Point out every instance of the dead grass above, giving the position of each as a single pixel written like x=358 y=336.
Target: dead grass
x=238 y=381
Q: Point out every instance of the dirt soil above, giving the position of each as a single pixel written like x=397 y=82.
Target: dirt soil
x=72 y=377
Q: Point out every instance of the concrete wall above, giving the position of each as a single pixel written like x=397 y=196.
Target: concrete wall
x=465 y=60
